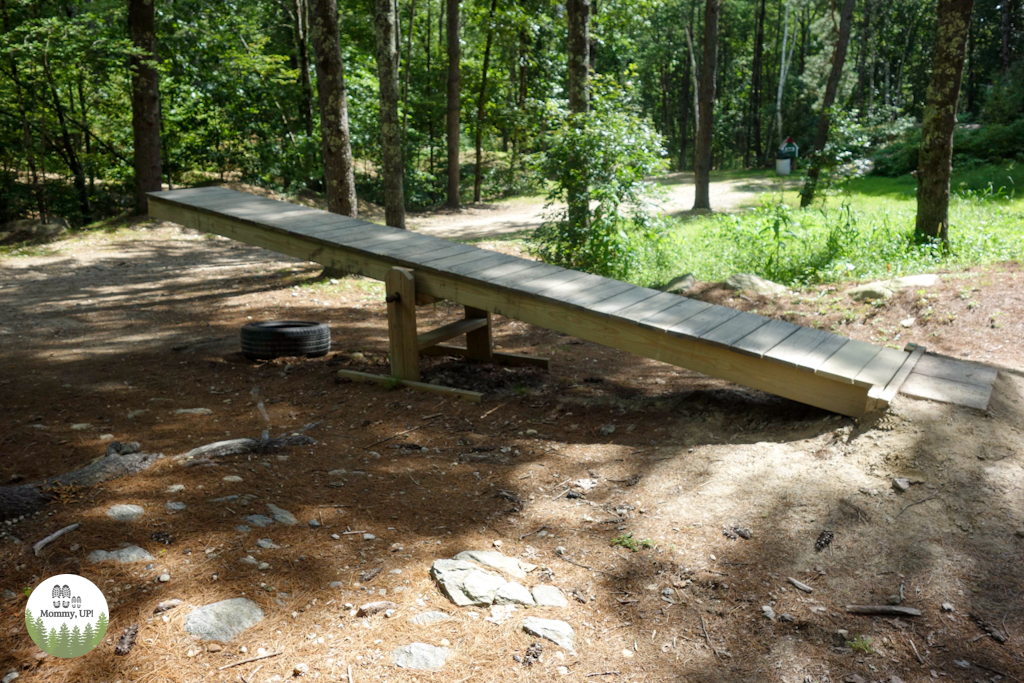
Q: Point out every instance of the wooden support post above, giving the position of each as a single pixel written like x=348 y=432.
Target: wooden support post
x=479 y=343
x=400 y=287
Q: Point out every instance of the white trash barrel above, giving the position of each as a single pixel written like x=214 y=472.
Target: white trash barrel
x=783 y=166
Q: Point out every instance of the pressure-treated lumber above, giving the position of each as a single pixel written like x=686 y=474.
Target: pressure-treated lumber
x=401 y=298
x=450 y=331
x=391 y=382
x=810 y=366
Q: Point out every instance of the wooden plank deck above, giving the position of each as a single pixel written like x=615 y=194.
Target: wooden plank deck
x=810 y=366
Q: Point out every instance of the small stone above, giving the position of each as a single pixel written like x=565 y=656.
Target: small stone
x=233 y=478
x=369 y=537
x=962 y=663
x=747 y=282
x=371 y=608
x=243 y=528
x=214 y=647
x=125 y=513
x=175 y=506
x=281 y=515
x=81 y=427
x=300 y=670
x=768 y=612
x=164 y=578
x=497 y=544
x=680 y=284
x=606 y=430
x=9 y=676
x=132 y=553
x=193 y=411
x=166 y=606
x=420 y=656
x=74 y=547
x=908 y=322
x=388 y=613
x=870 y=292
x=175 y=488
x=267 y=544
x=901 y=484
x=531 y=432
x=336 y=537
x=224 y=620
x=562 y=670
x=259 y=520
x=428 y=618
x=948 y=607
x=788 y=618
x=263 y=566
x=225 y=499
x=313 y=523
x=558 y=632
x=9 y=594
x=549 y=596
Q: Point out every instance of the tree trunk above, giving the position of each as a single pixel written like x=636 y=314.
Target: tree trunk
x=478 y=177
x=302 y=48
x=825 y=117
x=863 y=64
x=755 y=89
x=709 y=73
x=684 y=114
x=26 y=132
x=70 y=154
x=408 y=69
x=454 y=57
x=386 y=22
x=335 y=144
x=145 y=101
x=935 y=162
x=577 y=189
x=694 y=78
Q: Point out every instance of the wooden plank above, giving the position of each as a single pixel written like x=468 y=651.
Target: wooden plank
x=882 y=367
x=188 y=194
x=795 y=348
x=888 y=393
x=391 y=382
x=946 y=391
x=396 y=247
x=649 y=307
x=587 y=291
x=443 y=265
x=400 y=286
x=956 y=370
x=514 y=276
x=766 y=337
x=502 y=269
x=450 y=331
x=846 y=363
x=378 y=237
x=480 y=342
x=733 y=330
x=420 y=253
x=472 y=267
x=303 y=223
x=614 y=304
x=681 y=311
x=541 y=284
x=703 y=322
x=335 y=233
x=830 y=346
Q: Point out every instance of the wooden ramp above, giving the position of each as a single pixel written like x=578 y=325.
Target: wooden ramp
x=799 y=363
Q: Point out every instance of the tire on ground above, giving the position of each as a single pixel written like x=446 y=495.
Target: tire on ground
x=274 y=338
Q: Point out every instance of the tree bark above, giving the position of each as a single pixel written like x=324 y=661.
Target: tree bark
x=825 y=117
x=935 y=161
x=755 y=89
x=302 y=48
x=70 y=154
x=408 y=69
x=145 y=101
x=386 y=22
x=709 y=73
x=454 y=107
x=478 y=176
x=577 y=187
x=335 y=143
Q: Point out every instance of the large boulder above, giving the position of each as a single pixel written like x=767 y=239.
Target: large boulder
x=465 y=583
x=883 y=289
x=679 y=285
x=495 y=560
x=747 y=282
x=33 y=230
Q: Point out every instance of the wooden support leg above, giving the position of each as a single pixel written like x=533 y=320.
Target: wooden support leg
x=400 y=287
x=479 y=343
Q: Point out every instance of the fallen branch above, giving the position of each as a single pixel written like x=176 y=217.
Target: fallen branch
x=393 y=436
x=800 y=586
x=884 y=610
x=916 y=502
x=53 y=537
x=531 y=533
x=920 y=659
x=349 y=673
x=708 y=637
x=251 y=659
x=604 y=673
x=219 y=449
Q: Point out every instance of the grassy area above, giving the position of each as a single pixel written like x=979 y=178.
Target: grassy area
x=863 y=232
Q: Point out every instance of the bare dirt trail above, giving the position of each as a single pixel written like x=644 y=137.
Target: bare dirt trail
x=488 y=221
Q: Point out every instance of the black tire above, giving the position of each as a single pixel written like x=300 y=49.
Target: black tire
x=275 y=338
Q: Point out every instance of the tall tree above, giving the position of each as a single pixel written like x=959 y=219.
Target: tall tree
x=755 y=90
x=481 y=107
x=709 y=74
x=936 y=155
x=825 y=117
x=145 y=101
x=386 y=22
x=301 y=33
x=578 y=195
x=335 y=143
x=454 y=106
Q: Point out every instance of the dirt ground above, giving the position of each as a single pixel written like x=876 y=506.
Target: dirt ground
x=105 y=336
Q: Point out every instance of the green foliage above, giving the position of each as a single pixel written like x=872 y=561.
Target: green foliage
x=860 y=644
x=1005 y=102
x=610 y=152
x=629 y=543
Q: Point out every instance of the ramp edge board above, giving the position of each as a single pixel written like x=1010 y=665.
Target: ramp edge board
x=826 y=378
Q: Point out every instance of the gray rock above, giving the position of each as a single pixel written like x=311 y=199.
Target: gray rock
x=267 y=544
x=870 y=292
x=175 y=506
x=263 y=566
x=233 y=478
x=132 y=553
x=164 y=578
x=420 y=656
x=167 y=605
x=464 y=583
x=428 y=618
x=259 y=520
x=549 y=596
x=901 y=484
x=243 y=528
x=678 y=285
x=9 y=594
x=125 y=513
x=9 y=676
x=924 y=280
x=281 y=515
x=35 y=231
x=514 y=593
x=747 y=282
x=314 y=523
x=788 y=618
x=558 y=632
x=223 y=620
x=607 y=430
x=948 y=607
x=193 y=411
x=768 y=612
x=224 y=499
x=175 y=488
x=494 y=560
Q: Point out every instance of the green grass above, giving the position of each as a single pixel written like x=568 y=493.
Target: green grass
x=862 y=233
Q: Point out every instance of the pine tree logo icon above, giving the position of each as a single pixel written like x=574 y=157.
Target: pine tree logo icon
x=67 y=615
